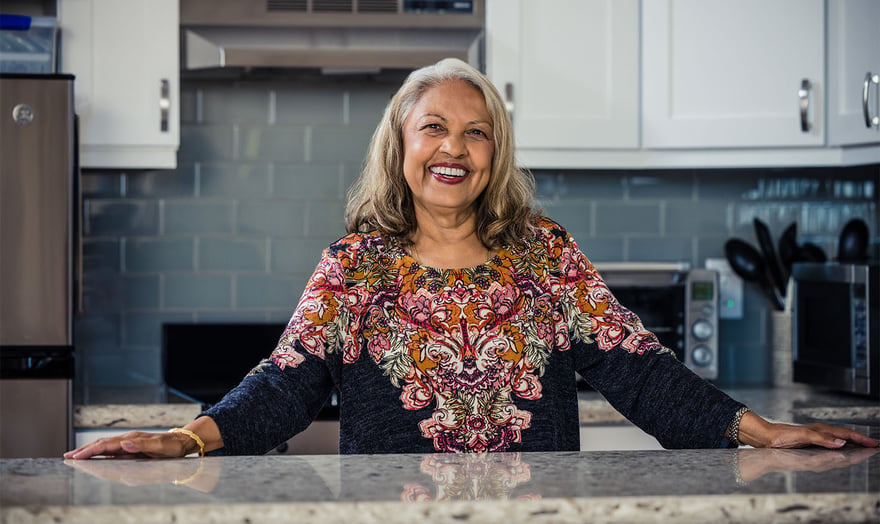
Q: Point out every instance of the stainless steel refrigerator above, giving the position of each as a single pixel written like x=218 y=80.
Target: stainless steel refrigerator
x=38 y=203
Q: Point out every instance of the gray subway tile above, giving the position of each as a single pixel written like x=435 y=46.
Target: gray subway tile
x=100 y=255
x=141 y=291
x=281 y=218
x=275 y=143
x=204 y=143
x=339 y=143
x=102 y=292
x=725 y=184
x=194 y=291
x=269 y=291
x=367 y=101
x=145 y=328
x=575 y=217
x=234 y=180
x=687 y=216
x=178 y=182
x=100 y=184
x=97 y=331
x=661 y=184
x=232 y=254
x=302 y=105
x=546 y=185
x=602 y=249
x=196 y=216
x=306 y=181
x=710 y=247
x=613 y=217
x=657 y=249
x=157 y=254
x=240 y=103
x=296 y=255
x=124 y=367
x=325 y=219
x=122 y=217
x=605 y=185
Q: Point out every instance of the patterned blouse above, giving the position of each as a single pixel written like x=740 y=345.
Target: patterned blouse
x=465 y=360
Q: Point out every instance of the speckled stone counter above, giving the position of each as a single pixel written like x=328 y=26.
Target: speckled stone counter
x=746 y=485
x=792 y=404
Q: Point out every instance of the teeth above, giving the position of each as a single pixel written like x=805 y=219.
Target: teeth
x=449 y=171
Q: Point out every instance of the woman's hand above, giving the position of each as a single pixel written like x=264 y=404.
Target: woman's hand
x=757 y=432
x=140 y=444
x=136 y=444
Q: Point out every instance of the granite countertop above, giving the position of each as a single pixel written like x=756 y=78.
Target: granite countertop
x=147 y=408
x=745 y=485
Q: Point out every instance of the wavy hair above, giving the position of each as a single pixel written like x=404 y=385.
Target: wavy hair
x=381 y=199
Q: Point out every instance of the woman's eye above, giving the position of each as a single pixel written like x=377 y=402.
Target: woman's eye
x=480 y=133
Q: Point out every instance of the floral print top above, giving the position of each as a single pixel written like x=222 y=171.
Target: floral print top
x=465 y=360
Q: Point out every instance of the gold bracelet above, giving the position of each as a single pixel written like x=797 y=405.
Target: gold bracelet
x=192 y=477
x=193 y=436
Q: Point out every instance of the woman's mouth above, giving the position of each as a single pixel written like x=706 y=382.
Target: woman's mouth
x=448 y=175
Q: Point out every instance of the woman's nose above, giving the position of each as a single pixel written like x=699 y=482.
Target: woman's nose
x=454 y=145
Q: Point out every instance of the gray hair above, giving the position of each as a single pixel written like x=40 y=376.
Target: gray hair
x=381 y=199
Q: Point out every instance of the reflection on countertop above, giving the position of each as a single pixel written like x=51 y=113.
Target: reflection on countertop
x=746 y=485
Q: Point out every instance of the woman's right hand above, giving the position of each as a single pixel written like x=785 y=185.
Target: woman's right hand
x=137 y=444
x=141 y=444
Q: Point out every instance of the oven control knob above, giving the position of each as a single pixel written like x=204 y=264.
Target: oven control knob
x=702 y=329
x=701 y=356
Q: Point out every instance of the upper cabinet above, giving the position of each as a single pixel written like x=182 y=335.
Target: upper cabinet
x=687 y=83
x=569 y=70
x=724 y=74
x=124 y=55
x=853 y=72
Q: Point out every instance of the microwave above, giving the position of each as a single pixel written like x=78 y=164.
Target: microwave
x=677 y=303
x=836 y=327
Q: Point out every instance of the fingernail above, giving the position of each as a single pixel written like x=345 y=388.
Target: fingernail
x=839 y=442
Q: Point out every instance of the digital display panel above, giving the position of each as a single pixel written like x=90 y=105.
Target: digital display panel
x=702 y=290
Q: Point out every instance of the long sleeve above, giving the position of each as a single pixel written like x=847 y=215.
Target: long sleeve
x=626 y=363
x=284 y=393
x=270 y=405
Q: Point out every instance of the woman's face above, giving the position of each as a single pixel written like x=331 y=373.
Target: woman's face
x=448 y=148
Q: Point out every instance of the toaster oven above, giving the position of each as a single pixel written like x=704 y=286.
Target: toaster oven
x=675 y=302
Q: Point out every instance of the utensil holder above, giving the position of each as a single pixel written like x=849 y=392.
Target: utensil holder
x=780 y=344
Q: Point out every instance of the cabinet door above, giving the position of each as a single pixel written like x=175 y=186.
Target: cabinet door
x=853 y=53
x=124 y=54
x=725 y=74
x=569 y=70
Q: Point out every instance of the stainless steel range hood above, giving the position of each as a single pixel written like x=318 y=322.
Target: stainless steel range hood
x=332 y=35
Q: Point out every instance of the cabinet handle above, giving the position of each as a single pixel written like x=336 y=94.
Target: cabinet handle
x=508 y=99
x=164 y=104
x=804 y=97
x=871 y=121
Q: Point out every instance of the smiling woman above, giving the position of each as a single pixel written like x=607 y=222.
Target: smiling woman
x=453 y=317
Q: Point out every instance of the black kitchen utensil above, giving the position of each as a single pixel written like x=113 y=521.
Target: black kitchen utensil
x=765 y=242
x=852 y=247
x=788 y=248
x=748 y=264
x=809 y=252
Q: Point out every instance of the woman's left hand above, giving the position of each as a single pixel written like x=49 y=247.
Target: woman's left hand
x=757 y=432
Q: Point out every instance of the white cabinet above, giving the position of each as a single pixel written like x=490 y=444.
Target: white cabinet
x=722 y=74
x=124 y=54
x=853 y=61
x=569 y=70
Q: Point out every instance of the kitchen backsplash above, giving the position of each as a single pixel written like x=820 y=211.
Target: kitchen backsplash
x=234 y=232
